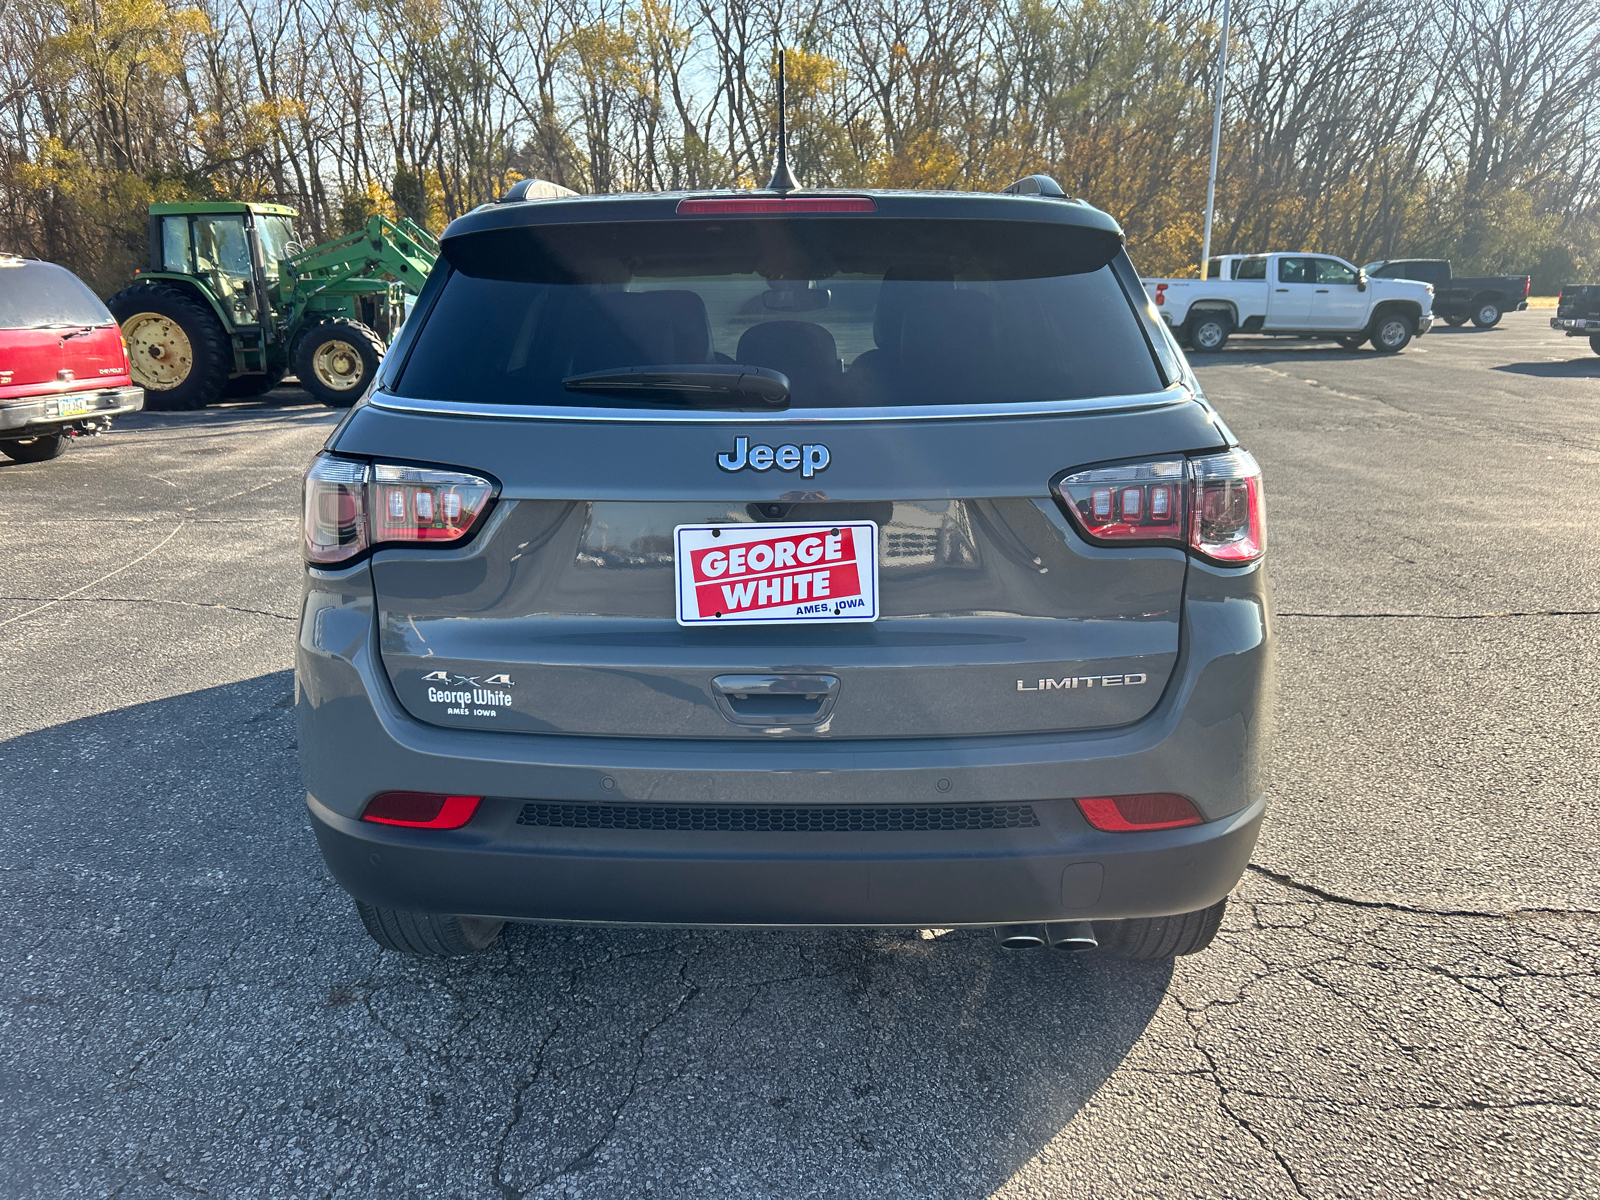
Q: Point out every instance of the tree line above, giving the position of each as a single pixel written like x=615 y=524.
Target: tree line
x=1467 y=129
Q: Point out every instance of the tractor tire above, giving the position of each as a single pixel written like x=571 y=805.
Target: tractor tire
x=1352 y=343
x=1161 y=937
x=337 y=361
x=1455 y=322
x=1391 y=332
x=246 y=387
x=180 y=353
x=1486 y=313
x=1208 y=331
x=427 y=934
x=37 y=449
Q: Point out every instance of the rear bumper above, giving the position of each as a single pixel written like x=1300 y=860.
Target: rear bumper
x=495 y=867
x=1208 y=738
x=1576 y=326
x=43 y=414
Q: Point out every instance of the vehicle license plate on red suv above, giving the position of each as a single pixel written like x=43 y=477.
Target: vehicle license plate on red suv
x=776 y=574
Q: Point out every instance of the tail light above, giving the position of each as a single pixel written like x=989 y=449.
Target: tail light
x=1527 y=287
x=1212 y=505
x=354 y=506
x=722 y=206
x=1146 y=811
x=421 y=810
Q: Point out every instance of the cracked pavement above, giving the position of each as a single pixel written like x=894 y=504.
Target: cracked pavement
x=1403 y=1000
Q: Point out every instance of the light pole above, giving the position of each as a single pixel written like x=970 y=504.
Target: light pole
x=1216 y=138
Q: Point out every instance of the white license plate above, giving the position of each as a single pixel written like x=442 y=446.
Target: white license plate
x=74 y=406
x=776 y=574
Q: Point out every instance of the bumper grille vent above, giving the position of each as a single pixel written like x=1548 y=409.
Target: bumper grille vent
x=900 y=818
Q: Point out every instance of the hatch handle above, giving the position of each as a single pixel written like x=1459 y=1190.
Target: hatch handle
x=776 y=699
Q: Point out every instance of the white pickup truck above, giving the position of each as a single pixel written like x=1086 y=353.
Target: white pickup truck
x=1293 y=295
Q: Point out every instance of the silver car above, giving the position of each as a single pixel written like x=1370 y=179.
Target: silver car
x=786 y=559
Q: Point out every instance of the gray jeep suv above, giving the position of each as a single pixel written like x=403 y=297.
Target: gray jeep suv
x=786 y=558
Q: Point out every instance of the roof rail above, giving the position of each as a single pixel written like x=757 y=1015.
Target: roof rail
x=534 y=189
x=1036 y=185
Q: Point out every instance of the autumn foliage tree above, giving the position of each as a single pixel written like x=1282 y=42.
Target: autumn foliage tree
x=1468 y=129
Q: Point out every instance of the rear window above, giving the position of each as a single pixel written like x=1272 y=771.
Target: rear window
x=856 y=313
x=41 y=295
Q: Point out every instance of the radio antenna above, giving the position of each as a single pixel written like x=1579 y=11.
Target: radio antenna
x=783 y=179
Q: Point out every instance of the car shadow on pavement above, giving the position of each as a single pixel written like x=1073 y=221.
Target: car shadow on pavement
x=1587 y=367
x=188 y=990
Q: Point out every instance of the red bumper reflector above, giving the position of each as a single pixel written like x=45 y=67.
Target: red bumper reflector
x=1130 y=814
x=421 y=810
x=721 y=206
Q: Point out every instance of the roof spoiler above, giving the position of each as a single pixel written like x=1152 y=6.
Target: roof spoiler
x=1035 y=185
x=534 y=189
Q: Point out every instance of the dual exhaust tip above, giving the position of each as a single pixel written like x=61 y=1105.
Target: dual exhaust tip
x=1072 y=936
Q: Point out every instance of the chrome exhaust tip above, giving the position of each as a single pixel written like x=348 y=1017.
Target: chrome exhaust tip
x=1019 y=937
x=1072 y=936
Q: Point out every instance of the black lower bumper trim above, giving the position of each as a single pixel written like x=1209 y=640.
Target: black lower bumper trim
x=495 y=867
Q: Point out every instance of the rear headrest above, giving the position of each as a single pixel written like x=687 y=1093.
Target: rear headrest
x=956 y=329
x=793 y=347
x=662 y=327
x=895 y=298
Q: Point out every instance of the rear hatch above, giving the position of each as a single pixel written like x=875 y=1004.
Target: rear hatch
x=55 y=334
x=1581 y=301
x=941 y=372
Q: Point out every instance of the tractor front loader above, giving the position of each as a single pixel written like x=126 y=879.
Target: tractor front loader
x=231 y=303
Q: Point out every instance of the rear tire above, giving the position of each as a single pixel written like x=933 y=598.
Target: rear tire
x=337 y=361
x=246 y=387
x=1208 y=332
x=1455 y=321
x=1391 y=333
x=39 y=449
x=428 y=934
x=1594 y=342
x=179 y=352
x=1161 y=937
x=1352 y=343
x=1486 y=314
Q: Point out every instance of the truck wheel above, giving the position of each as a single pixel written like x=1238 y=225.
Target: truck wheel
x=1455 y=321
x=428 y=934
x=1352 y=343
x=1161 y=937
x=244 y=387
x=179 y=351
x=1594 y=342
x=1486 y=314
x=1208 y=332
x=337 y=360
x=38 y=449
x=1391 y=333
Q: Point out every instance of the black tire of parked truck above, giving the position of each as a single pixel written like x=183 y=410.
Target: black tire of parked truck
x=36 y=449
x=1486 y=312
x=1161 y=937
x=1594 y=342
x=1352 y=343
x=1391 y=332
x=1208 y=331
x=1454 y=322
x=428 y=934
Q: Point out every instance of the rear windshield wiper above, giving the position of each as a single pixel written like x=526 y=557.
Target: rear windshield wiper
x=702 y=385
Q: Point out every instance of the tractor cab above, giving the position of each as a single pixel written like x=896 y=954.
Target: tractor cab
x=235 y=248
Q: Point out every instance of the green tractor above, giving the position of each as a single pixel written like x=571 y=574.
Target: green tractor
x=231 y=303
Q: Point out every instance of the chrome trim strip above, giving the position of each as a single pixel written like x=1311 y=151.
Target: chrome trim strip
x=1171 y=397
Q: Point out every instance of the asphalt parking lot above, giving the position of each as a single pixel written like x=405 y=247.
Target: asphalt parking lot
x=1404 y=999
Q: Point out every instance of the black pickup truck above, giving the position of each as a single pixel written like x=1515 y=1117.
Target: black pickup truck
x=1457 y=298
x=1578 y=313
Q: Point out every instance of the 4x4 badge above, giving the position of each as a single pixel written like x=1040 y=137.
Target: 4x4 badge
x=807 y=459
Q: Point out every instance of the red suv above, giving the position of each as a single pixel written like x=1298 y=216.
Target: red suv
x=63 y=367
